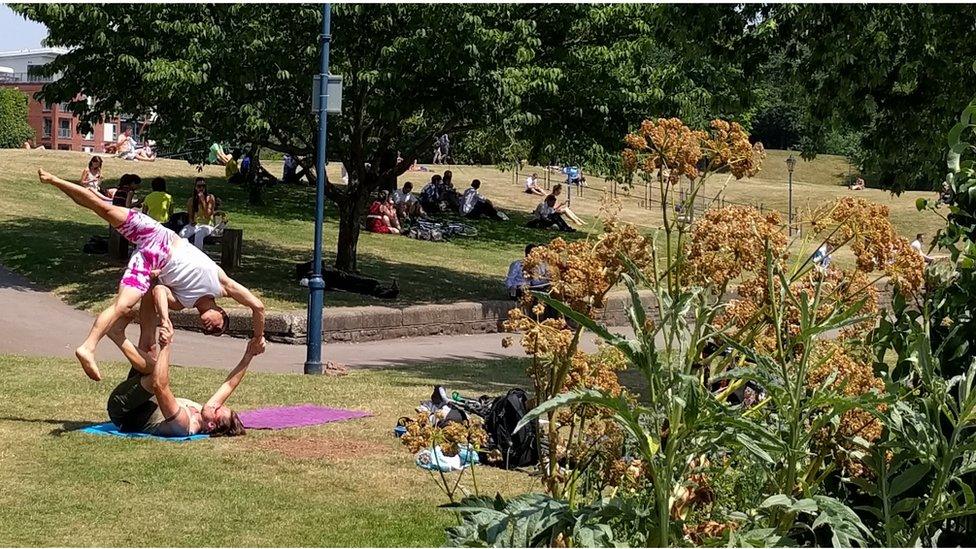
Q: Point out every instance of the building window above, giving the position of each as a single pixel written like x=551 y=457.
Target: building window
x=89 y=136
x=64 y=147
x=47 y=106
x=64 y=128
x=63 y=107
x=47 y=128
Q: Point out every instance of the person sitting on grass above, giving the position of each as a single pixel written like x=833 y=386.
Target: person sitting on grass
x=407 y=205
x=232 y=172
x=431 y=196
x=517 y=283
x=546 y=216
x=217 y=155
x=144 y=402
x=474 y=205
x=193 y=278
x=563 y=207
x=532 y=185
x=124 y=194
x=382 y=216
x=450 y=195
x=125 y=145
x=158 y=204
x=200 y=207
x=146 y=152
x=91 y=177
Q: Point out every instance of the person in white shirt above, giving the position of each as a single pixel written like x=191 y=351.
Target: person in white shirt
x=474 y=205
x=407 y=205
x=546 y=216
x=517 y=283
x=532 y=185
x=917 y=246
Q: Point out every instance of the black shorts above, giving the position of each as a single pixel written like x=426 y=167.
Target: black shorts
x=130 y=405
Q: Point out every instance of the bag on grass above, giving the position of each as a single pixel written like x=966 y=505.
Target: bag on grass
x=517 y=449
x=96 y=245
x=425 y=233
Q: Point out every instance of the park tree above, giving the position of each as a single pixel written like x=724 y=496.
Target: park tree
x=897 y=73
x=556 y=81
x=14 y=129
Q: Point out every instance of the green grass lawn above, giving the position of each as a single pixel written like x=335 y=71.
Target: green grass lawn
x=344 y=484
x=42 y=232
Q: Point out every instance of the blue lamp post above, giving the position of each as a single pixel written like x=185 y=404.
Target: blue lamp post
x=316 y=286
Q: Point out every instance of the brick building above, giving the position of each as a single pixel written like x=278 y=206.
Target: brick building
x=54 y=125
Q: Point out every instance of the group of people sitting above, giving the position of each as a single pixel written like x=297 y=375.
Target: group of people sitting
x=392 y=210
x=126 y=148
x=195 y=224
x=549 y=213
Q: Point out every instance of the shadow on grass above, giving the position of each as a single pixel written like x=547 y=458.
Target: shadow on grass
x=472 y=378
x=63 y=425
x=49 y=254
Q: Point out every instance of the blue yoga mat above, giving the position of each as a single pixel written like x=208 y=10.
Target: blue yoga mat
x=108 y=429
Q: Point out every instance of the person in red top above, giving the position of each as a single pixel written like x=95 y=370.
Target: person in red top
x=382 y=217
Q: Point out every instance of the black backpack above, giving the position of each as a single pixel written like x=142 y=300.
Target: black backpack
x=518 y=449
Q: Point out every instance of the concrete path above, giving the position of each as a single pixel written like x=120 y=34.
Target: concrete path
x=36 y=323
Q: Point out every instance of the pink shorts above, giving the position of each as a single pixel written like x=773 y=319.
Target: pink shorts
x=152 y=242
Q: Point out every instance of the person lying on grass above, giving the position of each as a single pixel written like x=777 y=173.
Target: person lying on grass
x=194 y=279
x=144 y=402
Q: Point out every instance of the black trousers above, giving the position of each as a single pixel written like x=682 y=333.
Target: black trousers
x=486 y=209
x=130 y=405
x=553 y=219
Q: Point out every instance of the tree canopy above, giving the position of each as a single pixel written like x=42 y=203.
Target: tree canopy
x=558 y=81
x=898 y=73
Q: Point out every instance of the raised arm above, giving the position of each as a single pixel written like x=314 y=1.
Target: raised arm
x=160 y=385
x=244 y=296
x=230 y=384
x=161 y=297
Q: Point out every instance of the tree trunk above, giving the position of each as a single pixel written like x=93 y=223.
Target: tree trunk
x=349 y=235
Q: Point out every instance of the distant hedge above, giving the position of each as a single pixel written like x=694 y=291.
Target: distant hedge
x=14 y=129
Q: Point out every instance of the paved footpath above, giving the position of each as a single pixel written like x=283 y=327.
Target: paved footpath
x=36 y=323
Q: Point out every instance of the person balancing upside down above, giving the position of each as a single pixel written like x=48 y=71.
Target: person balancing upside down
x=193 y=279
x=144 y=402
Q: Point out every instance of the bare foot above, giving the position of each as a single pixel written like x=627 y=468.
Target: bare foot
x=44 y=176
x=87 y=360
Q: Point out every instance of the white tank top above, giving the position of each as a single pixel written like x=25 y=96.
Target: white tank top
x=190 y=274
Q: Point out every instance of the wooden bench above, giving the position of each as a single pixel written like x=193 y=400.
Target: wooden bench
x=231 y=247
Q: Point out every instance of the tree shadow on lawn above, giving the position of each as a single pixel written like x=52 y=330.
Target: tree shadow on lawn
x=63 y=425
x=49 y=253
x=472 y=377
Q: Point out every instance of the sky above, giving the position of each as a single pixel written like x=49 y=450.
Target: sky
x=17 y=33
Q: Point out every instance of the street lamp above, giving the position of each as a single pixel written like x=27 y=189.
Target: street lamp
x=316 y=286
x=790 y=166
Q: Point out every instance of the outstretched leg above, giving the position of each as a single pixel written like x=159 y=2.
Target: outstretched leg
x=114 y=215
x=124 y=302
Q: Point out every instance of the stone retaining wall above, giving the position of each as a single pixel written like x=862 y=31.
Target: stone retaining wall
x=373 y=323
x=350 y=324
